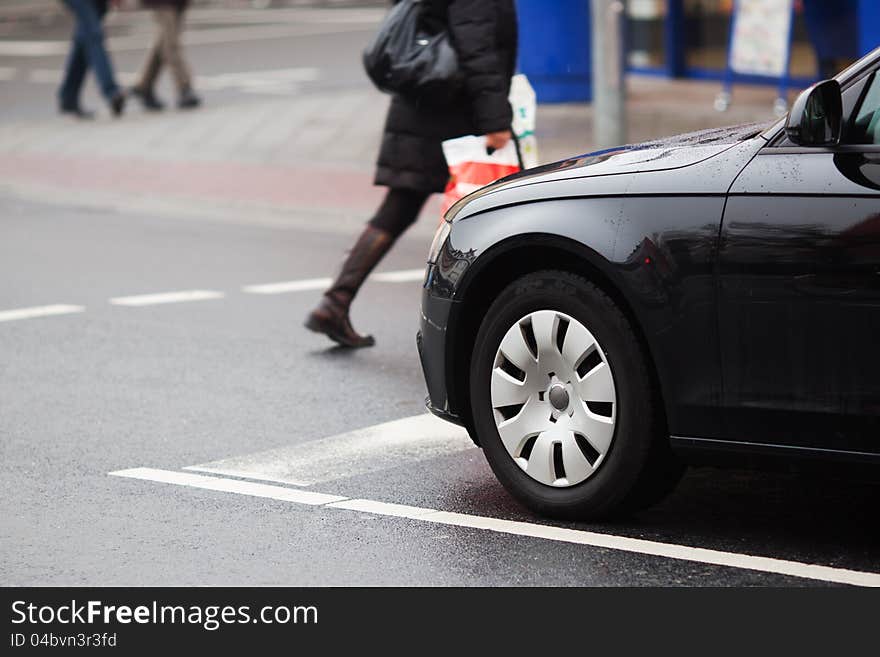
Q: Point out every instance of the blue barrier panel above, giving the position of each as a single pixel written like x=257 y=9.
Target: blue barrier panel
x=869 y=25
x=833 y=28
x=554 y=48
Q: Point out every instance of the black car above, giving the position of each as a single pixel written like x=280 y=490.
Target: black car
x=598 y=323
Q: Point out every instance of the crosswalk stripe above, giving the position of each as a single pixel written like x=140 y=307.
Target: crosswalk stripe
x=289 y=286
x=222 y=35
x=371 y=449
x=622 y=543
x=39 y=311
x=250 y=488
x=167 y=297
x=282 y=287
x=515 y=528
x=182 y=296
x=404 y=276
x=272 y=81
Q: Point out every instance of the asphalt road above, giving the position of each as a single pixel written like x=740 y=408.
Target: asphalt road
x=274 y=416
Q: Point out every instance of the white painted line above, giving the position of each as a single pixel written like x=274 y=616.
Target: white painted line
x=403 y=276
x=277 y=81
x=229 y=486
x=658 y=549
x=380 y=447
x=54 y=76
x=516 y=528
x=39 y=311
x=45 y=76
x=300 y=15
x=245 y=474
x=45 y=48
x=289 y=286
x=384 y=509
x=167 y=297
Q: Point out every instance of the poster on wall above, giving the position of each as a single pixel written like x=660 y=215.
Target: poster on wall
x=760 y=40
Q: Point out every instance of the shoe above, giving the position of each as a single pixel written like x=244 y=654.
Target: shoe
x=117 y=103
x=188 y=100
x=148 y=99
x=331 y=319
x=77 y=112
x=331 y=316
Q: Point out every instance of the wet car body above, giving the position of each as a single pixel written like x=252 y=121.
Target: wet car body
x=749 y=267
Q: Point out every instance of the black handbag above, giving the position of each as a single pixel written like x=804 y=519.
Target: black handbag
x=405 y=59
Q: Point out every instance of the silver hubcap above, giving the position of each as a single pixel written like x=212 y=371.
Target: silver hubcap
x=553 y=398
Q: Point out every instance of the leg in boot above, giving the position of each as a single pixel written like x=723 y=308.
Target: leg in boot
x=398 y=211
x=331 y=315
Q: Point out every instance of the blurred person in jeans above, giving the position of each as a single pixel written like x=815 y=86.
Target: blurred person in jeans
x=411 y=162
x=87 y=50
x=166 y=50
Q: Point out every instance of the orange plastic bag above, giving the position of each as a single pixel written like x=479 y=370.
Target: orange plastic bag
x=471 y=167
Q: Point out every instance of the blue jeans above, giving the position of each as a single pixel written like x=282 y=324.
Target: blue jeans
x=87 y=49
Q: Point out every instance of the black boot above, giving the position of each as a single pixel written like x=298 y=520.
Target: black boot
x=331 y=315
x=148 y=99
x=188 y=99
x=117 y=104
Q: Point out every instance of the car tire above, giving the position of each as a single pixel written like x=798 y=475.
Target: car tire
x=637 y=467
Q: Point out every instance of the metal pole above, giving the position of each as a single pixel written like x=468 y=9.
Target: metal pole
x=609 y=88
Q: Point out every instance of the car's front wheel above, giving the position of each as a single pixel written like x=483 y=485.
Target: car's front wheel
x=563 y=403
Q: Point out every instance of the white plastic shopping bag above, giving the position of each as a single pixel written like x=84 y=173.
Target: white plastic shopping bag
x=525 y=108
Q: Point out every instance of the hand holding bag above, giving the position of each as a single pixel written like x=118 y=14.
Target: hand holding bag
x=471 y=167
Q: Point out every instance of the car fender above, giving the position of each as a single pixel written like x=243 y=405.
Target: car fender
x=650 y=238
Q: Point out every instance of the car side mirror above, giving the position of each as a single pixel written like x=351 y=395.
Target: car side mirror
x=816 y=116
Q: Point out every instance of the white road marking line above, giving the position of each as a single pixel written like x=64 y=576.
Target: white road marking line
x=282 y=287
x=45 y=48
x=229 y=486
x=289 y=286
x=258 y=80
x=372 y=449
x=297 y=15
x=273 y=81
x=516 y=528
x=245 y=474
x=622 y=543
x=384 y=508
x=39 y=311
x=167 y=297
x=403 y=276
x=54 y=76
x=45 y=76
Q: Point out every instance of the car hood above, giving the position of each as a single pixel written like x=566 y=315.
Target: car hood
x=668 y=153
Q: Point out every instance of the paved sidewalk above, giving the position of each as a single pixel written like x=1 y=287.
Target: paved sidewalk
x=293 y=159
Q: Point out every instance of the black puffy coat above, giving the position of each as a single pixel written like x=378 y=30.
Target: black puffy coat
x=484 y=35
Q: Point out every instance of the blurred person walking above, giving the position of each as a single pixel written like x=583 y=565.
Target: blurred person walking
x=411 y=162
x=166 y=50
x=87 y=50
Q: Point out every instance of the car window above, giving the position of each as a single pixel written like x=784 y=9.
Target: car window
x=865 y=127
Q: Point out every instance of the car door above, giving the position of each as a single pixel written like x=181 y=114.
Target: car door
x=799 y=290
